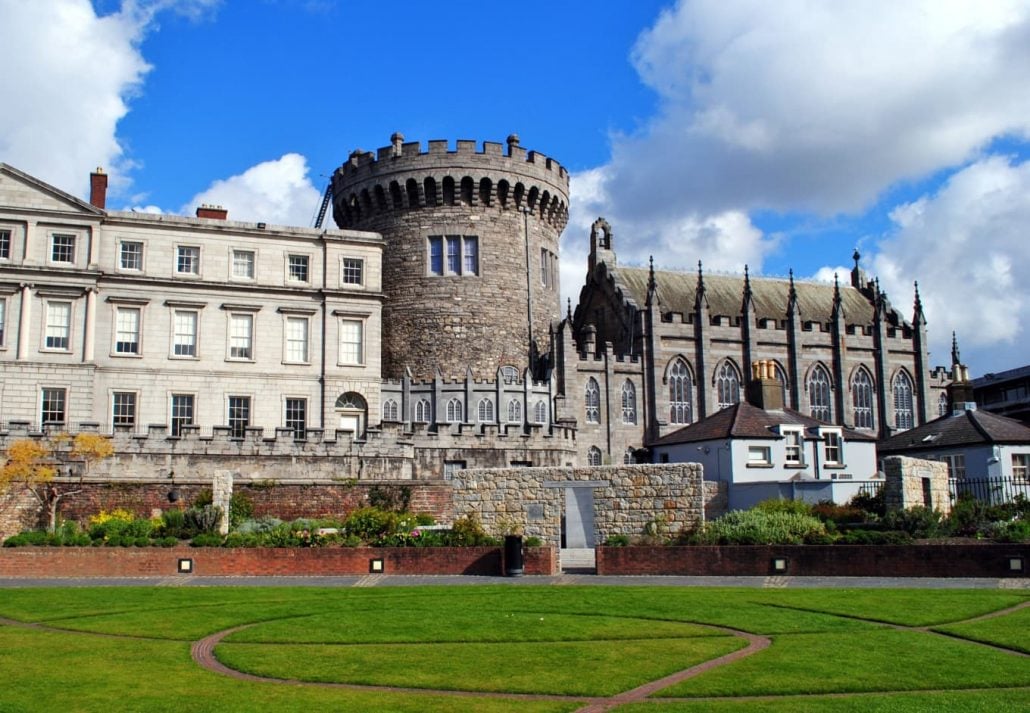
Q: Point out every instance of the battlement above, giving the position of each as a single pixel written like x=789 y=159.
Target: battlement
x=404 y=177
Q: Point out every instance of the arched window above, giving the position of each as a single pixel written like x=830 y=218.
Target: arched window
x=594 y=456
x=423 y=411
x=680 y=406
x=629 y=402
x=903 y=413
x=455 y=412
x=486 y=411
x=540 y=412
x=390 y=410
x=728 y=384
x=782 y=378
x=819 y=394
x=942 y=404
x=514 y=411
x=627 y=457
x=592 y=399
x=510 y=374
x=862 y=399
x=351 y=410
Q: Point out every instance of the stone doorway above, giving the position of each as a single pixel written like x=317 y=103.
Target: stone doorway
x=578 y=531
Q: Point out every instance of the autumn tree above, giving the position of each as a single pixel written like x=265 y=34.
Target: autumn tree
x=30 y=464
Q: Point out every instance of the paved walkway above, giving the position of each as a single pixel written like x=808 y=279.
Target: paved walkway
x=388 y=580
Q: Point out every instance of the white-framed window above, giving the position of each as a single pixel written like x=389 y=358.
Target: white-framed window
x=296 y=417
x=3 y=322
x=423 y=411
x=792 y=446
x=680 y=402
x=390 y=411
x=298 y=268
x=244 y=264
x=5 y=243
x=727 y=383
x=184 y=333
x=956 y=465
x=819 y=394
x=514 y=411
x=238 y=416
x=352 y=341
x=241 y=336
x=130 y=255
x=540 y=412
x=187 y=260
x=62 y=249
x=455 y=411
x=548 y=269
x=509 y=374
x=903 y=410
x=862 y=399
x=759 y=455
x=297 y=340
x=123 y=408
x=629 y=402
x=486 y=411
x=127 y=331
x=453 y=255
x=53 y=406
x=352 y=271
x=833 y=447
x=592 y=401
x=181 y=412
x=58 y=326
x=594 y=456
x=1021 y=468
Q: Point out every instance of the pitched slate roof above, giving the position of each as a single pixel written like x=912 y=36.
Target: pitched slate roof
x=966 y=428
x=743 y=420
x=726 y=294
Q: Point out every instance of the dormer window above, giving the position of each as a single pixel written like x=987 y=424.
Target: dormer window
x=792 y=445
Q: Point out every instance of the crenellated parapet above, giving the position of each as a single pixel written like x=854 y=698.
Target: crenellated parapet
x=403 y=177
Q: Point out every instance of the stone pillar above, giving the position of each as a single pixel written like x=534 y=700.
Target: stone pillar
x=90 y=327
x=913 y=482
x=221 y=494
x=24 y=321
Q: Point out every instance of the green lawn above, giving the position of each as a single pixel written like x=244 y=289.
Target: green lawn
x=577 y=641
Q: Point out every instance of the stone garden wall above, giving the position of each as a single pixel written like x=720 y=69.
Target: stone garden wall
x=914 y=481
x=627 y=498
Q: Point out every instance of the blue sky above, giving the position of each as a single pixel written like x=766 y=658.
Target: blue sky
x=737 y=132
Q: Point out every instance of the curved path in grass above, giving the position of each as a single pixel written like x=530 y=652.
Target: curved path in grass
x=203 y=653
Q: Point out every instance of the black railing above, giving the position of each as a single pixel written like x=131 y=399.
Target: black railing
x=870 y=489
x=990 y=490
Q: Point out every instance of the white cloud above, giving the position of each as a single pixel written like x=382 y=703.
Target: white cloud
x=967 y=246
x=66 y=76
x=278 y=192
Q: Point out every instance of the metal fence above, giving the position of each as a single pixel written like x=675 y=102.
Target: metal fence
x=870 y=490
x=989 y=490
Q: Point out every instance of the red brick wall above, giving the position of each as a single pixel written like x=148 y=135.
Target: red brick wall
x=247 y=562
x=284 y=501
x=982 y=560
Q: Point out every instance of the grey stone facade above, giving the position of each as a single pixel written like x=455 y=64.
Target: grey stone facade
x=627 y=499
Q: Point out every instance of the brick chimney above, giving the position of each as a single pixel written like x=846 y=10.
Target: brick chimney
x=960 y=390
x=765 y=391
x=98 y=188
x=214 y=212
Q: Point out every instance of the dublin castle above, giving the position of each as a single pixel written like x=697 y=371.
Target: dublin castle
x=424 y=333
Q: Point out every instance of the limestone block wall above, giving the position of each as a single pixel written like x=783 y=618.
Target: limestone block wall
x=914 y=481
x=626 y=498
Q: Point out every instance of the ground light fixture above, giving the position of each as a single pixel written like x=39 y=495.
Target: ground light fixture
x=1016 y=564
x=779 y=564
x=185 y=565
x=376 y=566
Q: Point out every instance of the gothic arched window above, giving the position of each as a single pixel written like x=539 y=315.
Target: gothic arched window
x=903 y=412
x=423 y=411
x=486 y=411
x=390 y=410
x=592 y=401
x=514 y=411
x=728 y=384
x=540 y=412
x=594 y=456
x=942 y=404
x=819 y=394
x=455 y=412
x=862 y=399
x=680 y=405
x=629 y=403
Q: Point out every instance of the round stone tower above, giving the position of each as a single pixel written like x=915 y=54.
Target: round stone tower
x=470 y=267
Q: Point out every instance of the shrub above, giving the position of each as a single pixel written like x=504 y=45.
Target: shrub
x=241 y=508
x=875 y=537
x=533 y=541
x=795 y=507
x=1013 y=531
x=258 y=526
x=872 y=504
x=204 y=519
x=206 y=539
x=173 y=524
x=617 y=541
x=759 y=527
x=917 y=521
x=831 y=512
x=371 y=523
x=26 y=539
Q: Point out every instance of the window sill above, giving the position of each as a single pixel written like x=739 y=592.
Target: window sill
x=835 y=466
x=117 y=355
x=759 y=465
x=796 y=466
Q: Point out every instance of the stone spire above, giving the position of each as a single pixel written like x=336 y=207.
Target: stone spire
x=792 y=297
x=918 y=317
x=748 y=295
x=700 y=297
x=652 y=285
x=838 y=301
